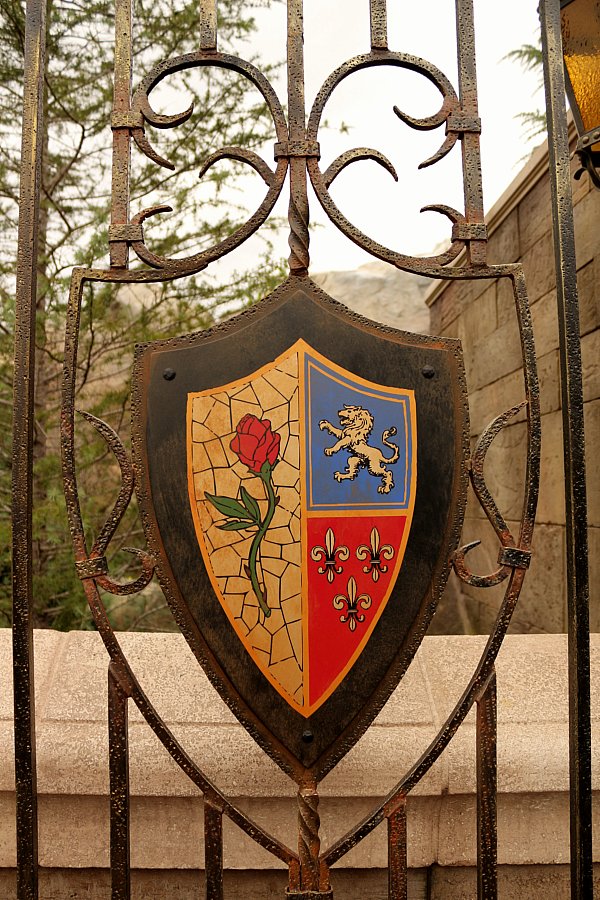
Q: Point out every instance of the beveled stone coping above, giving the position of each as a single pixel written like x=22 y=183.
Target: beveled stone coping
x=72 y=754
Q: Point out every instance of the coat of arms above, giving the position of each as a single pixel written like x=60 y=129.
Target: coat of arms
x=303 y=527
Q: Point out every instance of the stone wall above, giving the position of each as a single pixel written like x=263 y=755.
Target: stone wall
x=481 y=314
x=167 y=810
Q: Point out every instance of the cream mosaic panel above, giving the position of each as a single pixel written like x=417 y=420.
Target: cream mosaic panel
x=274 y=642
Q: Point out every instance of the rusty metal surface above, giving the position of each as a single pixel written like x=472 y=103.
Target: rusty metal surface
x=297 y=151
x=398 y=853
x=213 y=851
x=487 y=838
x=22 y=451
x=118 y=750
x=574 y=457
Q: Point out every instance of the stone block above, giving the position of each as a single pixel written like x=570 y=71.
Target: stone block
x=79 y=685
x=538 y=265
x=453 y=614
x=8 y=833
x=455 y=329
x=479 y=317
x=493 y=399
x=548 y=374
x=542 y=604
x=47 y=650
x=514 y=883
x=435 y=317
x=166 y=810
x=447 y=307
x=535 y=214
x=594 y=563
x=590 y=363
x=544 y=317
x=505 y=301
x=94 y=884
x=589 y=296
x=505 y=469
x=587 y=228
x=503 y=245
x=591 y=412
x=551 y=506
x=477 y=286
x=493 y=356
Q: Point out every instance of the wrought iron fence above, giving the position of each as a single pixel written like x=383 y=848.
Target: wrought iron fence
x=297 y=152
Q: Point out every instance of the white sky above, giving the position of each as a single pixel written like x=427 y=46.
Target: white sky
x=388 y=211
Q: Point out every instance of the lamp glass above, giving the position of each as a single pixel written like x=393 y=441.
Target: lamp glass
x=580 y=21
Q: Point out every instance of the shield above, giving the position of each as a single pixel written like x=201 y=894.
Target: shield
x=302 y=480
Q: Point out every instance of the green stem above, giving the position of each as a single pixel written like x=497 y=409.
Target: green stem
x=255 y=546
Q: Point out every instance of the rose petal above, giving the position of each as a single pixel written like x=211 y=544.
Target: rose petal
x=273 y=451
x=243 y=426
x=256 y=427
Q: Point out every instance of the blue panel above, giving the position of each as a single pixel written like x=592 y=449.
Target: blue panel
x=327 y=392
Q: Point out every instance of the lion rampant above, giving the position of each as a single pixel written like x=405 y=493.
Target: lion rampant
x=353 y=436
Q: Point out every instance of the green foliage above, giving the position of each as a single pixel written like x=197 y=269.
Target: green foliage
x=73 y=231
x=529 y=56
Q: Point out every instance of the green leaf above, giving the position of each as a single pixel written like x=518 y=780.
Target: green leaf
x=250 y=504
x=227 y=506
x=234 y=526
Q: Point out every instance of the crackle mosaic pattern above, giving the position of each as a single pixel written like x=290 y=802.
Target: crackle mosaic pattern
x=274 y=642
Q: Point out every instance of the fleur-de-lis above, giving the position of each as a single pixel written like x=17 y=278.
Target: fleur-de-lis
x=352 y=602
x=376 y=552
x=329 y=551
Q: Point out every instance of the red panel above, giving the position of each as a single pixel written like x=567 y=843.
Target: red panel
x=333 y=644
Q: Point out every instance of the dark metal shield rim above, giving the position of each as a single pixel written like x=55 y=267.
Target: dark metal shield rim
x=290 y=762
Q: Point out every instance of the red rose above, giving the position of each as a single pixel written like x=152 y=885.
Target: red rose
x=255 y=443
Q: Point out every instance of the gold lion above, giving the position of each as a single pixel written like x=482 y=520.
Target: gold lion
x=356 y=426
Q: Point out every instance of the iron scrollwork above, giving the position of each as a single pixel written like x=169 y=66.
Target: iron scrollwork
x=297 y=151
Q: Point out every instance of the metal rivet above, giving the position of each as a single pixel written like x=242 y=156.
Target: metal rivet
x=307 y=737
x=169 y=374
x=427 y=371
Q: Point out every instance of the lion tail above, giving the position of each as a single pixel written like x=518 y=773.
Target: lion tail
x=394 y=447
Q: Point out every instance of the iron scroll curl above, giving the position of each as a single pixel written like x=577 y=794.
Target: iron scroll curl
x=142 y=112
x=448 y=113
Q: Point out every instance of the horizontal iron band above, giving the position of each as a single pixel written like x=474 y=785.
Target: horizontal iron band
x=514 y=557
x=286 y=149
x=310 y=895
x=592 y=137
x=469 y=231
x=460 y=124
x=92 y=568
x=126 y=120
x=118 y=233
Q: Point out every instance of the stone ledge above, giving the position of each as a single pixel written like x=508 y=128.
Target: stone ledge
x=71 y=671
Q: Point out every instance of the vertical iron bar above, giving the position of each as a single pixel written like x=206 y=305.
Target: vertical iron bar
x=213 y=851
x=487 y=840
x=118 y=751
x=379 y=32
x=121 y=159
x=298 y=213
x=471 y=156
x=309 y=843
x=22 y=449
x=397 y=853
x=208 y=24
x=574 y=455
